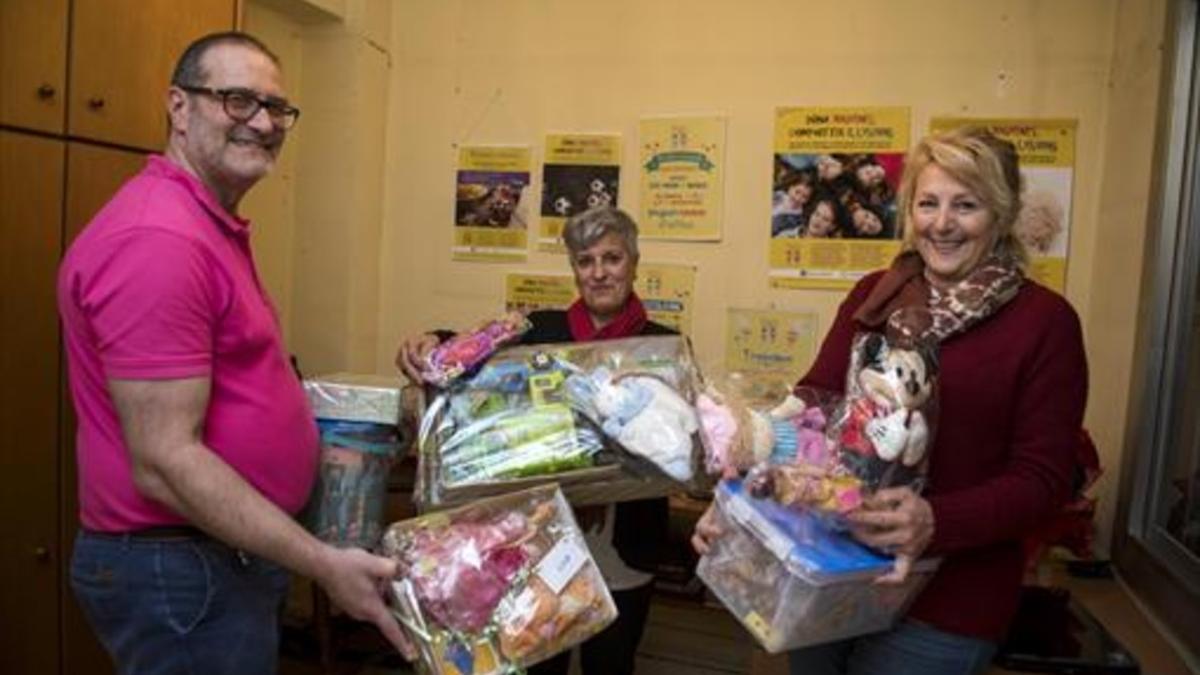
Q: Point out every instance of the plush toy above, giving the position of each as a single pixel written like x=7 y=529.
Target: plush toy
x=735 y=436
x=738 y=437
x=884 y=420
x=642 y=413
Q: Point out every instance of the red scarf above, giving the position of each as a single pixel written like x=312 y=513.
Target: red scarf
x=628 y=323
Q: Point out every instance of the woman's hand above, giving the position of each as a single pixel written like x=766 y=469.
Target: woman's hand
x=410 y=358
x=898 y=521
x=706 y=531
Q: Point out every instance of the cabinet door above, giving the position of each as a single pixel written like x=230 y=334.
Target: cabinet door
x=122 y=55
x=93 y=176
x=33 y=63
x=31 y=180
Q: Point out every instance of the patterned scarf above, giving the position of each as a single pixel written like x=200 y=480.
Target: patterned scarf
x=628 y=323
x=913 y=310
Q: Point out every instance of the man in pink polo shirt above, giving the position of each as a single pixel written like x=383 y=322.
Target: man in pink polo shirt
x=196 y=444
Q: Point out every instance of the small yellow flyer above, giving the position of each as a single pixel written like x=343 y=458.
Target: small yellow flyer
x=835 y=175
x=579 y=172
x=772 y=347
x=529 y=291
x=667 y=290
x=682 y=177
x=491 y=195
x=1046 y=148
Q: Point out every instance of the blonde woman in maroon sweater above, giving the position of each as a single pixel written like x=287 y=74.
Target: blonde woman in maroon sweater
x=1013 y=384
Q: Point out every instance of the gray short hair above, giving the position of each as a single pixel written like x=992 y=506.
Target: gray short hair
x=585 y=229
x=189 y=70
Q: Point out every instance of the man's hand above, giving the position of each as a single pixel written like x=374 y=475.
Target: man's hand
x=898 y=521
x=356 y=581
x=410 y=358
x=706 y=531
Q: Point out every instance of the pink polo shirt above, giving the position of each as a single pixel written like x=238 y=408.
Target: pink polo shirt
x=161 y=285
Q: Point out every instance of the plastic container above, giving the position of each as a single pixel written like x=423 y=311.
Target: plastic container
x=357 y=417
x=793 y=581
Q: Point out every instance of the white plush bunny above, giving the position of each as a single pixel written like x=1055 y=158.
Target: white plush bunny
x=650 y=419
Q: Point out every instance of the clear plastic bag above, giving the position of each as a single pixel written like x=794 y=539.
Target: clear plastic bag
x=496 y=585
x=885 y=426
x=610 y=420
x=834 y=451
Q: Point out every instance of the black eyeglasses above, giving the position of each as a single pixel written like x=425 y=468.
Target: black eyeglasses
x=243 y=104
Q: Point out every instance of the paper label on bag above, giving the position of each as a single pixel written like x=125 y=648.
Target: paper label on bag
x=561 y=563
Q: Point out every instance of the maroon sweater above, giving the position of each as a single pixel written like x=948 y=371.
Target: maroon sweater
x=1013 y=389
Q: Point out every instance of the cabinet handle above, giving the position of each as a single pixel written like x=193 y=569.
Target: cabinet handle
x=46 y=91
x=41 y=553
x=95 y=103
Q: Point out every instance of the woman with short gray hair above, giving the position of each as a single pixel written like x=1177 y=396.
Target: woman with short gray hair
x=624 y=538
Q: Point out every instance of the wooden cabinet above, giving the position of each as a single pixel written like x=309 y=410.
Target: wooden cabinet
x=42 y=625
x=31 y=183
x=117 y=56
x=33 y=64
x=122 y=55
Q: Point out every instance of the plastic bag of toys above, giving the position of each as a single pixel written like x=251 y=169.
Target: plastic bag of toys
x=884 y=428
x=875 y=436
x=463 y=352
x=610 y=421
x=497 y=585
x=792 y=580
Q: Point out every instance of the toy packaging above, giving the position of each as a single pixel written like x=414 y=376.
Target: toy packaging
x=792 y=580
x=610 y=421
x=826 y=452
x=357 y=417
x=884 y=428
x=496 y=586
x=462 y=353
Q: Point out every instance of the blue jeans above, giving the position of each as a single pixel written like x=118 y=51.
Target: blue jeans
x=187 y=606
x=910 y=648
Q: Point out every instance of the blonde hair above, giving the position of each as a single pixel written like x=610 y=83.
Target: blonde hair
x=986 y=164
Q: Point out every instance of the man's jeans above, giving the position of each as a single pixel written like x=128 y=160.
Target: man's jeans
x=188 y=606
x=910 y=648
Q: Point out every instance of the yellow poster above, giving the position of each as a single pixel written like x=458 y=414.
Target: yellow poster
x=579 y=172
x=682 y=167
x=774 y=348
x=491 y=195
x=667 y=291
x=526 y=292
x=835 y=175
x=1046 y=148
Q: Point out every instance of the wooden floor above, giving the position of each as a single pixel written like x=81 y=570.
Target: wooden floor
x=686 y=637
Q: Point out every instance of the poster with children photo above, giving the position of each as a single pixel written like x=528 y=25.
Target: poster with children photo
x=835 y=195
x=834 y=179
